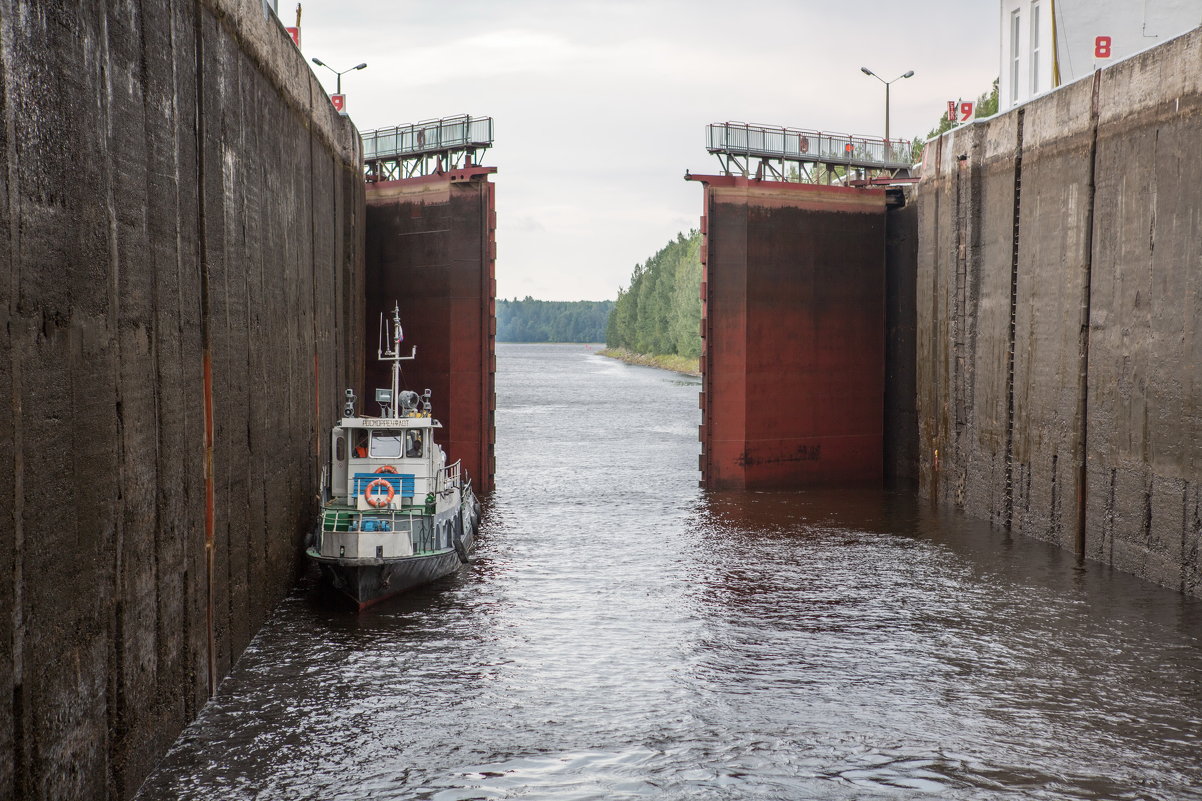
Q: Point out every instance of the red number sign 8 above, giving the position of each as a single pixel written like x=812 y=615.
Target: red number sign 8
x=1102 y=47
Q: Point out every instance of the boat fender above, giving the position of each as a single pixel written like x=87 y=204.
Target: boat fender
x=382 y=498
x=460 y=547
x=387 y=469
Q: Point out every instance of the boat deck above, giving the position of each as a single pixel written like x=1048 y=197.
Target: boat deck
x=339 y=516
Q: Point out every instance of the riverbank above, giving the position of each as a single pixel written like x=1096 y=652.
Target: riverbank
x=677 y=364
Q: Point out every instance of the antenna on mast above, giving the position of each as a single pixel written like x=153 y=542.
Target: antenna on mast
x=392 y=336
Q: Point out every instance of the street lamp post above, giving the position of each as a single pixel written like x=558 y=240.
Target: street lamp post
x=867 y=71
x=321 y=63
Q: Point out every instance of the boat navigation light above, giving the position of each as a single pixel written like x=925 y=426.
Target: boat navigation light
x=349 y=409
x=384 y=398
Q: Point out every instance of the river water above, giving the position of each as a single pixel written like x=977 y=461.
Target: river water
x=624 y=635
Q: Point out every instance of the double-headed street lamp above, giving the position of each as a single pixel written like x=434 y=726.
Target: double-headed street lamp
x=321 y=63
x=867 y=71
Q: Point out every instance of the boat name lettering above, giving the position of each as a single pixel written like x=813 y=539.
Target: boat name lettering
x=399 y=422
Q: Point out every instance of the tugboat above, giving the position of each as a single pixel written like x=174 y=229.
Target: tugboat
x=394 y=514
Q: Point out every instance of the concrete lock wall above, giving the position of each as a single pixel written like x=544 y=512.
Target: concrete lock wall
x=181 y=224
x=1059 y=292
x=431 y=249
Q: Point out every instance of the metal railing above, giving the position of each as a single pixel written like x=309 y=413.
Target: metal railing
x=343 y=520
x=429 y=137
x=740 y=139
x=450 y=476
x=422 y=535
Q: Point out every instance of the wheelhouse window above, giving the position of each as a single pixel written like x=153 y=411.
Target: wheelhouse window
x=386 y=444
x=414 y=446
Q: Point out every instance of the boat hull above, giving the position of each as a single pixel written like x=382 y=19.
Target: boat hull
x=364 y=585
x=364 y=582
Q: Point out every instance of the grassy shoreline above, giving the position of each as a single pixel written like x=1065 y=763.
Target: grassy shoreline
x=677 y=364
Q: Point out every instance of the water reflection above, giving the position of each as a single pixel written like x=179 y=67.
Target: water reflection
x=625 y=635
x=928 y=652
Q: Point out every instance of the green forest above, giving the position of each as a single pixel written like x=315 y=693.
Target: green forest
x=530 y=320
x=660 y=312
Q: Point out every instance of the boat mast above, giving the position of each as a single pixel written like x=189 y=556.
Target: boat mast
x=390 y=332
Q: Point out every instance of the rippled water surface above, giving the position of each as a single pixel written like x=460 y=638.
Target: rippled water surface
x=623 y=634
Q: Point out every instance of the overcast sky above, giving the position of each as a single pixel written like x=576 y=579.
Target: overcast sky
x=601 y=107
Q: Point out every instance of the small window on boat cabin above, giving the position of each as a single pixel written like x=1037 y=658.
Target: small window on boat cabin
x=340 y=449
x=413 y=444
x=386 y=444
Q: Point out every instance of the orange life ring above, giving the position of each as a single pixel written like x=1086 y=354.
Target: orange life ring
x=380 y=499
x=386 y=469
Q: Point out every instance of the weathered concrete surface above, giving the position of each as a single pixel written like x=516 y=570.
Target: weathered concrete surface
x=793 y=334
x=175 y=189
x=1065 y=233
x=431 y=247
x=1145 y=361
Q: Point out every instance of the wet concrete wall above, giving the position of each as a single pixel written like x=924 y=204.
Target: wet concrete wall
x=431 y=248
x=793 y=334
x=1059 y=293
x=180 y=221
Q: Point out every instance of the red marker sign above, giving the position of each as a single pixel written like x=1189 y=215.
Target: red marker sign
x=295 y=34
x=339 y=102
x=960 y=111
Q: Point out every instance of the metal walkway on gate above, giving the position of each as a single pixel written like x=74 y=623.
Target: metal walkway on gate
x=814 y=154
x=407 y=151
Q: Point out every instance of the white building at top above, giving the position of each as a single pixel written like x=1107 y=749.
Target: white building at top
x=1047 y=43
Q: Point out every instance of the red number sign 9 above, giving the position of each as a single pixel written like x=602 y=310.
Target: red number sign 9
x=1101 y=47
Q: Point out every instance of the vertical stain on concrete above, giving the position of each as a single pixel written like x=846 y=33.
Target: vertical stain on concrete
x=1082 y=448
x=1110 y=515
x=1147 y=519
x=14 y=776
x=1008 y=512
x=1053 y=518
x=1191 y=538
x=206 y=362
